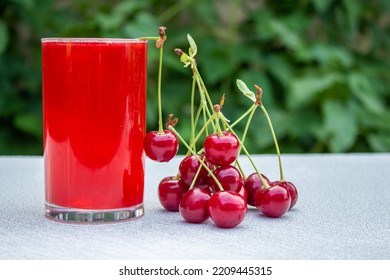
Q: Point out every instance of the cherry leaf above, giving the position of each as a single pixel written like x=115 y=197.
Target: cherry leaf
x=184 y=59
x=245 y=90
x=193 y=47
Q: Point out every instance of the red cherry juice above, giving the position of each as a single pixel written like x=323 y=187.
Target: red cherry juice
x=94 y=98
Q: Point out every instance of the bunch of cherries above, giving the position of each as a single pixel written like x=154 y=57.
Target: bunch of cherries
x=210 y=181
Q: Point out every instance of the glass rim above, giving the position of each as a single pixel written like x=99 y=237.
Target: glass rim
x=91 y=40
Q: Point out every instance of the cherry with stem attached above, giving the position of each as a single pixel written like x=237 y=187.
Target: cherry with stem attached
x=267 y=198
x=290 y=187
x=161 y=145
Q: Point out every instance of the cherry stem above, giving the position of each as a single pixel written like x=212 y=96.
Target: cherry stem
x=206 y=111
x=192 y=111
x=200 y=133
x=275 y=141
x=252 y=110
x=148 y=38
x=237 y=163
x=217 y=126
x=196 y=174
x=171 y=128
x=243 y=116
x=160 y=122
x=246 y=152
x=201 y=84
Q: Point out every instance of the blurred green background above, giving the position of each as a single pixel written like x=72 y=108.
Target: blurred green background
x=324 y=66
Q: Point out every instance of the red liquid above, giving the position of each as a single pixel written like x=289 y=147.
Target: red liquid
x=94 y=122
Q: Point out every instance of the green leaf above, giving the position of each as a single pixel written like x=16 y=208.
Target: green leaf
x=379 y=142
x=25 y=3
x=184 y=59
x=363 y=90
x=193 y=47
x=245 y=90
x=143 y=23
x=252 y=77
x=279 y=67
x=217 y=68
x=29 y=123
x=327 y=56
x=3 y=36
x=340 y=124
x=322 y=5
x=289 y=37
x=305 y=89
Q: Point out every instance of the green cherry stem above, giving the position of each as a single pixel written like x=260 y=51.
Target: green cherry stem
x=201 y=84
x=203 y=99
x=247 y=153
x=275 y=141
x=171 y=128
x=148 y=38
x=159 y=44
x=197 y=174
x=160 y=122
x=192 y=144
x=252 y=110
x=192 y=110
x=217 y=117
x=243 y=115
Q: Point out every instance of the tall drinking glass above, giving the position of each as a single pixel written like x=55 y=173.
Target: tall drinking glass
x=94 y=99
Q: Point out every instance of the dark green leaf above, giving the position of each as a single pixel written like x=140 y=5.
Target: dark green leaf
x=3 y=36
x=340 y=125
x=306 y=88
x=379 y=142
x=29 y=123
x=363 y=91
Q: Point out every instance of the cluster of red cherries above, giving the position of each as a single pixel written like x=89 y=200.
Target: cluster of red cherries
x=210 y=181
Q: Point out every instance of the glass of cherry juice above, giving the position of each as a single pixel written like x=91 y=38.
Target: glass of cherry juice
x=94 y=107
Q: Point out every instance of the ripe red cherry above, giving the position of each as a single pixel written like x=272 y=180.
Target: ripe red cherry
x=161 y=147
x=273 y=201
x=188 y=168
x=227 y=209
x=252 y=184
x=206 y=188
x=291 y=189
x=170 y=192
x=243 y=192
x=194 y=205
x=221 y=149
x=229 y=177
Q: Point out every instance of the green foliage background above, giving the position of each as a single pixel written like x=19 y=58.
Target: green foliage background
x=324 y=65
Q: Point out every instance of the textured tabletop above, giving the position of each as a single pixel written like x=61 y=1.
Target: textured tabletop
x=343 y=212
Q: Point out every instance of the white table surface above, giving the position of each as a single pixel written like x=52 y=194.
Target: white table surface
x=343 y=212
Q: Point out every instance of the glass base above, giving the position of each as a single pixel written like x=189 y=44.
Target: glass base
x=71 y=215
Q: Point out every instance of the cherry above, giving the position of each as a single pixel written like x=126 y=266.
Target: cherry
x=229 y=177
x=194 y=205
x=273 y=201
x=161 y=147
x=221 y=149
x=189 y=167
x=243 y=192
x=291 y=189
x=170 y=192
x=252 y=184
x=227 y=209
x=206 y=188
